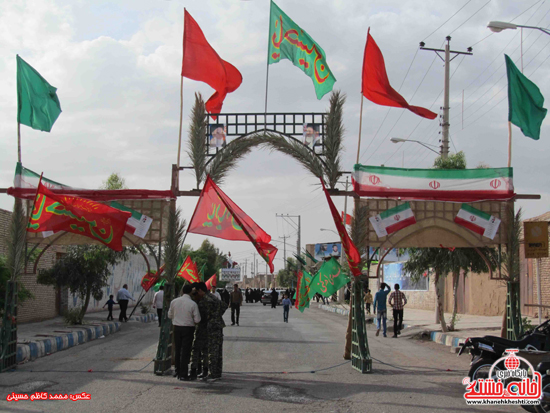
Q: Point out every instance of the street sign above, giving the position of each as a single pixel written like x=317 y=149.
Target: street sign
x=230 y=274
x=536 y=239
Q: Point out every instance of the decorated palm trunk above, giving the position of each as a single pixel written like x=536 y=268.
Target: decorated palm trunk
x=8 y=339
x=360 y=354
x=163 y=360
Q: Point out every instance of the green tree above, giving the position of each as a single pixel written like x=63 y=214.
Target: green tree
x=114 y=181
x=207 y=257
x=287 y=276
x=84 y=269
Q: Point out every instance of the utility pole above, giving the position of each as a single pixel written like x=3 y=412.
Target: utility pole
x=298 y=228
x=447 y=59
x=284 y=247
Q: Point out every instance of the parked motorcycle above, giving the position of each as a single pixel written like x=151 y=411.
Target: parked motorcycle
x=544 y=369
x=485 y=351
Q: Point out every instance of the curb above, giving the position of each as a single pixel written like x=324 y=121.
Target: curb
x=446 y=339
x=40 y=348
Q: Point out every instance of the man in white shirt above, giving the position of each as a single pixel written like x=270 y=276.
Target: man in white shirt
x=217 y=294
x=184 y=313
x=123 y=297
x=157 y=302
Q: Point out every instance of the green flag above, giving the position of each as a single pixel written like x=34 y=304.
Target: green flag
x=302 y=301
x=329 y=279
x=524 y=102
x=157 y=286
x=300 y=259
x=288 y=41
x=37 y=102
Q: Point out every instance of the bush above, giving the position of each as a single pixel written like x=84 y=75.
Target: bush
x=144 y=308
x=72 y=316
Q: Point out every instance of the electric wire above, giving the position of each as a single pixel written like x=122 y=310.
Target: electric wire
x=445 y=22
x=481 y=8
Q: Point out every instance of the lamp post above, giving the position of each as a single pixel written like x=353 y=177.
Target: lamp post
x=427 y=146
x=497 y=27
x=331 y=230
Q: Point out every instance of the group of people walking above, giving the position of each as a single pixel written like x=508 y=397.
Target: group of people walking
x=397 y=301
x=197 y=317
x=252 y=295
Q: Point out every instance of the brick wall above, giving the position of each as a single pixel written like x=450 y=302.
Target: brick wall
x=44 y=305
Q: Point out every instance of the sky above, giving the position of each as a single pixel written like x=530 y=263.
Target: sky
x=117 y=67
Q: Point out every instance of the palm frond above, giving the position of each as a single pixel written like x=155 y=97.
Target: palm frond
x=174 y=243
x=334 y=138
x=511 y=256
x=196 y=144
x=295 y=149
x=16 y=241
x=228 y=157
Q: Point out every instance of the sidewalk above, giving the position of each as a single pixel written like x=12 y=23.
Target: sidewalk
x=422 y=322
x=43 y=338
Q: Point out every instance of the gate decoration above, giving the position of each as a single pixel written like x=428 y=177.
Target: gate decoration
x=457 y=185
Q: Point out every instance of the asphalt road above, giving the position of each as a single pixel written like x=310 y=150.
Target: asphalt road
x=268 y=366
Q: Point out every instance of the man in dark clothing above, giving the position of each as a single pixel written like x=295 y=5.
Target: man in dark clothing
x=274 y=298
x=215 y=324
x=236 y=300
x=225 y=297
x=199 y=355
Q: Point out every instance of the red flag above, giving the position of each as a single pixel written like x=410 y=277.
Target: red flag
x=202 y=63
x=54 y=212
x=348 y=219
x=149 y=280
x=353 y=256
x=218 y=216
x=212 y=282
x=188 y=270
x=300 y=276
x=376 y=86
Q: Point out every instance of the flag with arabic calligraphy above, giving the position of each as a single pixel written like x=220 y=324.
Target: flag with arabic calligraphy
x=216 y=215
x=352 y=254
x=212 y=281
x=329 y=279
x=302 y=291
x=53 y=213
x=287 y=40
x=188 y=271
x=149 y=280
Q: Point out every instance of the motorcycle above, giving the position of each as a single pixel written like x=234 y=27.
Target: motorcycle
x=485 y=351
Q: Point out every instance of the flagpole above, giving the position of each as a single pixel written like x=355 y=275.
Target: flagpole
x=18 y=142
x=267 y=69
x=509 y=144
x=360 y=127
x=181 y=122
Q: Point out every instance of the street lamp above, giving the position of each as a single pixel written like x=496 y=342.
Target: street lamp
x=497 y=27
x=325 y=229
x=426 y=145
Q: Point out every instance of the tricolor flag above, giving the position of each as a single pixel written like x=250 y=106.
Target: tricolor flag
x=478 y=221
x=393 y=220
x=138 y=224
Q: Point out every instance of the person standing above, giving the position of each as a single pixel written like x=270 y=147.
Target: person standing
x=199 y=354
x=379 y=307
x=274 y=298
x=123 y=297
x=236 y=300
x=213 y=291
x=110 y=302
x=286 y=307
x=368 y=301
x=184 y=313
x=214 y=329
x=158 y=299
x=398 y=301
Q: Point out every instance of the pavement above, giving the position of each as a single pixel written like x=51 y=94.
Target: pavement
x=269 y=366
x=43 y=338
x=421 y=322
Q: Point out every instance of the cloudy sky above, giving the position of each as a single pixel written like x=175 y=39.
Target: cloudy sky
x=117 y=68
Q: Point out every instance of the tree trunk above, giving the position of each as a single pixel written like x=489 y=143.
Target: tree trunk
x=456 y=278
x=440 y=301
x=86 y=302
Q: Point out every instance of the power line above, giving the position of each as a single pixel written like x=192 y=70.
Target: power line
x=482 y=7
x=447 y=20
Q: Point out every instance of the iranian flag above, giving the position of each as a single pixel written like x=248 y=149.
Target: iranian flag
x=393 y=220
x=458 y=185
x=138 y=224
x=478 y=221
